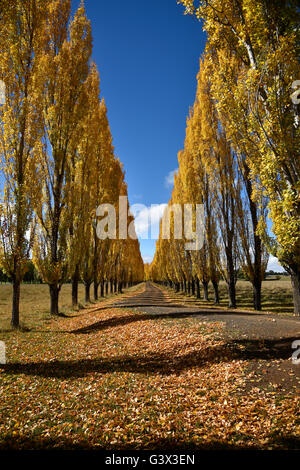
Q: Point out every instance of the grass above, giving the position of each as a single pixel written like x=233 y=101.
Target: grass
x=35 y=303
x=116 y=379
x=277 y=296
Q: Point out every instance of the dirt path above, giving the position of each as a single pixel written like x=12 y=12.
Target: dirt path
x=263 y=339
x=239 y=324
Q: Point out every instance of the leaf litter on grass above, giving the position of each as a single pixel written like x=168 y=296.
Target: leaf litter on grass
x=140 y=383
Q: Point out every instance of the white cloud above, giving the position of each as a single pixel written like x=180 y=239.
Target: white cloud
x=273 y=265
x=147 y=219
x=147 y=258
x=169 y=179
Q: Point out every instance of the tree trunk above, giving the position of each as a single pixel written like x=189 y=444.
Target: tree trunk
x=116 y=287
x=231 y=282
x=193 y=286
x=295 y=278
x=111 y=286
x=189 y=287
x=96 y=285
x=74 y=292
x=205 y=290
x=87 y=292
x=102 y=289
x=198 y=289
x=54 y=295
x=216 y=292
x=257 y=267
x=184 y=284
x=75 y=281
x=106 y=287
x=256 y=285
x=231 y=293
x=121 y=287
x=15 y=317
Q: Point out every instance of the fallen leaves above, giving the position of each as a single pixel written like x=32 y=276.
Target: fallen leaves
x=141 y=383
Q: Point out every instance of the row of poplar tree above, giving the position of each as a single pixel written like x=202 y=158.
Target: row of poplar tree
x=57 y=158
x=241 y=157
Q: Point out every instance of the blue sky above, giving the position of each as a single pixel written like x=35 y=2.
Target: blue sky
x=148 y=55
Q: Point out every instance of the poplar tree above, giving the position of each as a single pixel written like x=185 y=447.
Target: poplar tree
x=22 y=42
x=66 y=69
x=82 y=178
x=262 y=38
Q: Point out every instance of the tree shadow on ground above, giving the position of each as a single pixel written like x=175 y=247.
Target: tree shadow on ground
x=125 y=320
x=172 y=445
x=163 y=363
x=139 y=305
x=145 y=304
